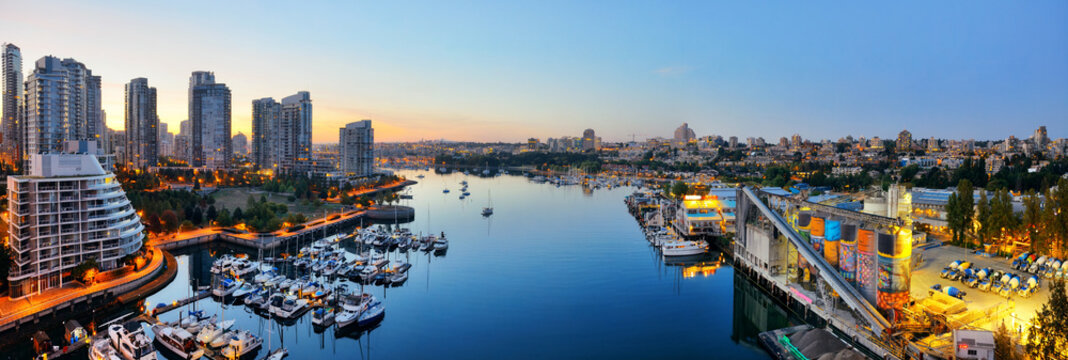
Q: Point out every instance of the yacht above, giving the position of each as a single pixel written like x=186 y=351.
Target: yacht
x=131 y=345
x=323 y=316
x=102 y=350
x=683 y=248
x=368 y=273
x=292 y=307
x=374 y=314
x=222 y=264
x=241 y=344
x=245 y=289
x=221 y=340
x=441 y=244
x=178 y=341
x=226 y=287
x=274 y=303
x=257 y=300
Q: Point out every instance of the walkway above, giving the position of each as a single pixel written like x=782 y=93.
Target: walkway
x=14 y=310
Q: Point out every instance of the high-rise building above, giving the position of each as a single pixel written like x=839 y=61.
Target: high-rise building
x=66 y=210
x=733 y=142
x=210 y=116
x=62 y=102
x=166 y=140
x=1041 y=138
x=240 y=144
x=142 y=125
x=590 y=141
x=932 y=145
x=11 y=93
x=265 y=116
x=684 y=135
x=294 y=132
x=796 y=141
x=357 y=148
x=904 y=141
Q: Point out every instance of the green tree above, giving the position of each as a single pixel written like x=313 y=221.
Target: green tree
x=678 y=189
x=169 y=220
x=966 y=197
x=78 y=272
x=954 y=217
x=1005 y=345
x=1032 y=220
x=982 y=216
x=1049 y=329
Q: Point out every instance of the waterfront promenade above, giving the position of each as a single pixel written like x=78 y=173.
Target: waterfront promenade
x=15 y=312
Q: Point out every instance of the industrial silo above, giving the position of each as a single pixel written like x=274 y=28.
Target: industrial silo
x=895 y=251
x=804 y=221
x=847 y=253
x=832 y=233
x=817 y=231
x=866 y=263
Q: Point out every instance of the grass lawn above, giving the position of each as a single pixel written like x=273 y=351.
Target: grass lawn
x=232 y=198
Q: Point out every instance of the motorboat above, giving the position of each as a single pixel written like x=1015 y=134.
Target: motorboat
x=323 y=316
x=274 y=303
x=177 y=341
x=244 y=267
x=321 y=293
x=226 y=287
x=213 y=331
x=240 y=344
x=102 y=350
x=399 y=278
x=487 y=211
x=277 y=354
x=131 y=345
x=274 y=281
x=292 y=307
x=222 y=264
x=221 y=340
x=245 y=289
x=683 y=248
x=310 y=289
x=441 y=244
x=257 y=299
x=368 y=273
x=373 y=315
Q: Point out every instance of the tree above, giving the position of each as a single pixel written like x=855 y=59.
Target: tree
x=982 y=216
x=239 y=215
x=187 y=226
x=1049 y=328
x=224 y=218
x=170 y=221
x=85 y=271
x=154 y=224
x=678 y=189
x=1032 y=220
x=1005 y=345
x=954 y=217
x=212 y=213
x=966 y=197
x=5 y=264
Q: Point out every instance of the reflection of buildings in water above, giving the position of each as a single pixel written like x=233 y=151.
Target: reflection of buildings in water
x=754 y=313
x=705 y=270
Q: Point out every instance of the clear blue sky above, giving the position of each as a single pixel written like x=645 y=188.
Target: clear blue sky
x=509 y=70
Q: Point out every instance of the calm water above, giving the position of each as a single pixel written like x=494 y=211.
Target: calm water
x=555 y=272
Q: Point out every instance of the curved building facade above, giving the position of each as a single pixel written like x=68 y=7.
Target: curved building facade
x=67 y=210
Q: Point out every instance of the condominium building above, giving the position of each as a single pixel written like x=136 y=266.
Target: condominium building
x=294 y=132
x=62 y=102
x=66 y=210
x=357 y=148
x=281 y=133
x=209 y=105
x=265 y=115
x=142 y=125
x=11 y=93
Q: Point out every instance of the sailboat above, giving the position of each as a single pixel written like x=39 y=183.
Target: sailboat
x=487 y=211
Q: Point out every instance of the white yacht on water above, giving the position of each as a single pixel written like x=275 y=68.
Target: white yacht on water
x=131 y=345
x=684 y=248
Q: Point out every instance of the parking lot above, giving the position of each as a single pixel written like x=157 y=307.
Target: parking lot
x=927 y=274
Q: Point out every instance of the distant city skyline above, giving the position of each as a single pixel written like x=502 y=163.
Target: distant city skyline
x=511 y=71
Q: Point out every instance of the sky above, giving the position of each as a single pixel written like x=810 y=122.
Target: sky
x=510 y=70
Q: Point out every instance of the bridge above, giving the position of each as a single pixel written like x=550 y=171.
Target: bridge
x=752 y=207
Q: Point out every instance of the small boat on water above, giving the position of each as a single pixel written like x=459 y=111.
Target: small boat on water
x=684 y=248
x=323 y=316
x=177 y=341
x=226 y=287
x=277 y=354
x=241 y=343
x=373 y=315
x=131 y=345
x=244 y=290
x=292 y=307
x=102 y=350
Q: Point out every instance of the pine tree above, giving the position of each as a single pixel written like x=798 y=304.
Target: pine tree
x=1049 y=328
x=966 y=197
x=982 y=216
